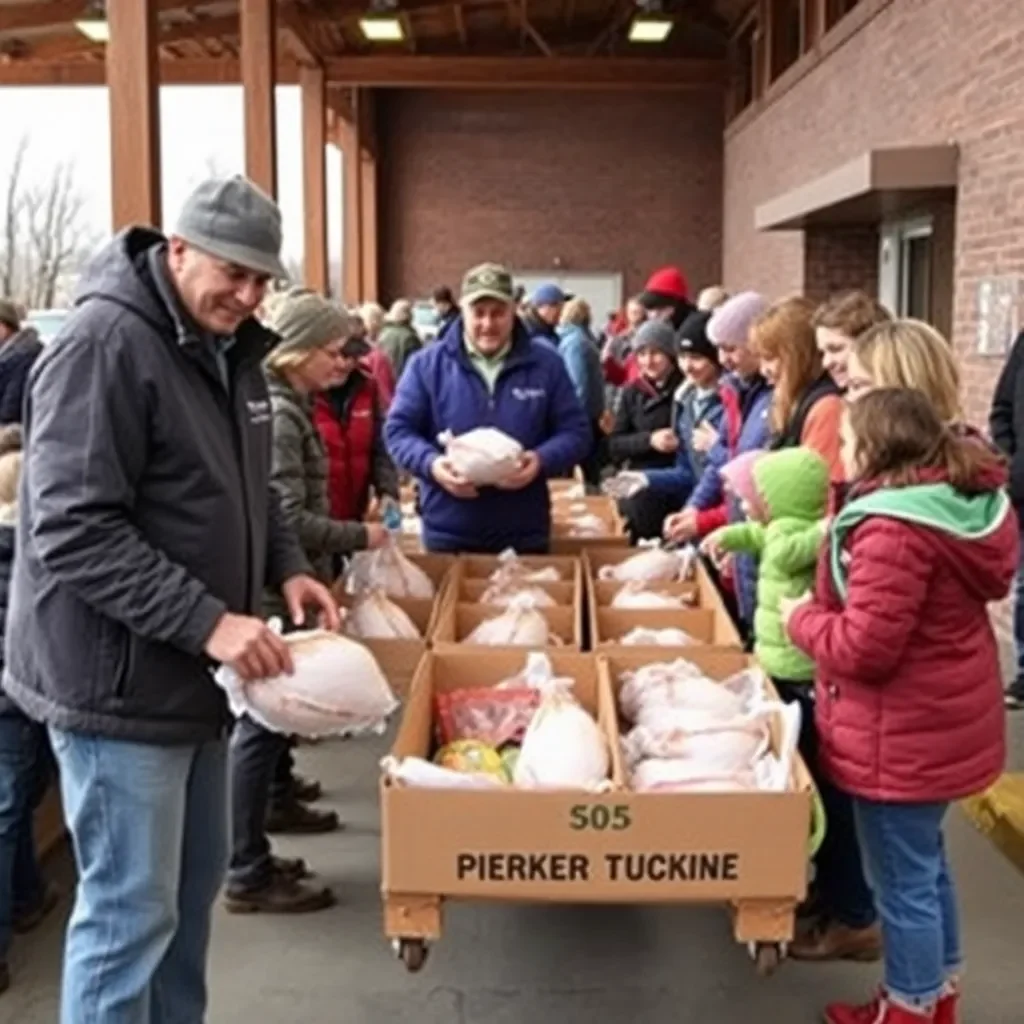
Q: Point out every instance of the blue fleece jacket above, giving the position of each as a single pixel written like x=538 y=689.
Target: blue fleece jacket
x=582 y=359
x=755 y=432
x=533 y=401
x=691 y=410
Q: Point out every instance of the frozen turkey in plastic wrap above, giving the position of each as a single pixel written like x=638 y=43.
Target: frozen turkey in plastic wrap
x=564 y=747
x=374 y=617
x=484 y=455
x=668 y=637
x=520 y=625
x=420 y=773
x=652 y=565
x=389 y=570
x=681 y=685
x=587 y=525
x=505 y=592
x=337 y=689
x=727 y=746
x=511 y=568
x=636 y=594
x=684 y=776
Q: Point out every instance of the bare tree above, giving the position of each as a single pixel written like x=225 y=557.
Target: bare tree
x=45 y=233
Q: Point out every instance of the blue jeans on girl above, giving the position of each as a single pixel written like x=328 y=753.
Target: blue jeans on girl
x=905 y=860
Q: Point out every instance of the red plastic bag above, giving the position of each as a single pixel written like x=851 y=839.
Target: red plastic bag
x=490 y=715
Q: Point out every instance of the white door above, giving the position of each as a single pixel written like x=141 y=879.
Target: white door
x=603 y=291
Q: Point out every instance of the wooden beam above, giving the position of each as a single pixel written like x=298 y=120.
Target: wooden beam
x=314 y=178
x=812 y=21
x=765 y=46
x=295 y=28
x=133 y=74
x=258 y=60
x=31 y=14
x=350 y=139
x=369 y=222
x=460 y=24
x=218 y=71
x=531 y=32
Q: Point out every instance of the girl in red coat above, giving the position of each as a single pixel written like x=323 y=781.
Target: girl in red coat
x=908 y=686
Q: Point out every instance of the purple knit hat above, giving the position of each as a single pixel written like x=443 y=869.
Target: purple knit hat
x=730 y=324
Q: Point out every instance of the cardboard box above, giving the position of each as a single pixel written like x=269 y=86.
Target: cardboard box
x=600 y=592
x=610 y=625
x=457 y=621
x=578 y=847
x=564 y=541
x=398 y=659
x=480 y=567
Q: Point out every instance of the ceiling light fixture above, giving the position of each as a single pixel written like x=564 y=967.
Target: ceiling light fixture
x=382 y=28
x=94 y=25
x=650 y=24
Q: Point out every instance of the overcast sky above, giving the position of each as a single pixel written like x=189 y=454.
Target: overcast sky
x=199 y=125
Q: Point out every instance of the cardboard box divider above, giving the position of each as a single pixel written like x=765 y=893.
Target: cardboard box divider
x=604 y=591
x=457 y=621
x=573 y=846
x=472 y=591
x=610 y=625
x=724 y=633
x=480 y=567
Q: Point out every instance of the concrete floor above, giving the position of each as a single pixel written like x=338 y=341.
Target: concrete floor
x=511 y=965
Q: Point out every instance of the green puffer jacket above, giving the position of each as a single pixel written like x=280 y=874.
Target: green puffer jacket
x=793 y=487
x=298 y=473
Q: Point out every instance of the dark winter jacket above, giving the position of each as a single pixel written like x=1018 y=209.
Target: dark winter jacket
x=540 y=330
x=533 y=401
x=691 y=409
x=146 y=509
x=643 y=408
x=298 y=471
x=7 y=706
x=17 y=355
x=399 y=342
x=1006 y=421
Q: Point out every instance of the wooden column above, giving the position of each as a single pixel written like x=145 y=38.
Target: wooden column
x=133 y=80
x=314 y=177
x=368 y=219
x=350 y=140
x=258 y=53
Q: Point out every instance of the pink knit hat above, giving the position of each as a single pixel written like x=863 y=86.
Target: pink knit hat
x=738 y=476
x=730 y=324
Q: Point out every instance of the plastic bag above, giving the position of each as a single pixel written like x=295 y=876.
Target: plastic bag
x=670 y=637
x=493 y=715
x=337 y=689
x=587 y=525
x=484 y=455
x=389 y=570
x=682 y=685
x=681 y=776
x=520 y=625
x=637 y=595
x=511 y=568
x=374 y=617
x=650 y=566
x=729 y=746
x=505 y=591
x=564 y=747
x=625 y=484
x=417 y=772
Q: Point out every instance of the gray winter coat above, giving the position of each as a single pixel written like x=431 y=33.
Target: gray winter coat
x=146 y=509
x=299 y=473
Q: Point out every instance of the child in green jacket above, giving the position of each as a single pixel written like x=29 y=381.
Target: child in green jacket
x=784 y=495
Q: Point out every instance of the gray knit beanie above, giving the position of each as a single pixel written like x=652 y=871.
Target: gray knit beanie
x=305 y=321
x=656 y=334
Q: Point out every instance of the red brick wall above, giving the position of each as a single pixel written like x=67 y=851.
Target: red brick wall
x=614 y=182
x=919 y=72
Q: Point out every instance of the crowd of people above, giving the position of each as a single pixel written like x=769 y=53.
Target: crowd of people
x=196 y=453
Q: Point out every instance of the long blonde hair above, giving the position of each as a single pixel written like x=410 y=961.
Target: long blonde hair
x=10 y=477
x=912 y=354
x=784 y=332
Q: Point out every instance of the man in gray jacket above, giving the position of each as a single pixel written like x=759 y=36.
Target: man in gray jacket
x=147 y=532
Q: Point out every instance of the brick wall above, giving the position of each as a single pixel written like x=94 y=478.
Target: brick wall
x=838 y=259
x=918 y=72
x=612 y=182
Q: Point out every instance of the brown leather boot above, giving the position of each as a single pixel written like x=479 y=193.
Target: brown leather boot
x=296 y=818
x=834 y=941
x=294 y=868
x=280 y=896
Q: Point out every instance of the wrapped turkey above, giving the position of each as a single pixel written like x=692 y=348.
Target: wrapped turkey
x=374 y=617
x=505 y=592
x=563 y=748
x=389 y=570
x=683 y=776
x=636 y=594
x=337 y=688
x=669 y=637
x=520 y=625
x=727 y=746
x=587 y=525
x=653 y=565
x=512 y=568
x=682 y=685
x=484 y=455
x=415 y=771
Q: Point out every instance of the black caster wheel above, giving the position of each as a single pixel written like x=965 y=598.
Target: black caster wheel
x=412 y=953
x=767 y=957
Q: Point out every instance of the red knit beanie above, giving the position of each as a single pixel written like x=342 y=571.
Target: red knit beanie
x=670 y=282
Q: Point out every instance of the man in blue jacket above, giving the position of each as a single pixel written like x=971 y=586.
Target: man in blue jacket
x=486 y=372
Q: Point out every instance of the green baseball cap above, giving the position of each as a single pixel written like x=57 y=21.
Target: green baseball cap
x=488 y=281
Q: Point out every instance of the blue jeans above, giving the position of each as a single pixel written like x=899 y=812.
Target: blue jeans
x=905 y=859
x=150 y=830
x=24 y=772
x=1017 y=687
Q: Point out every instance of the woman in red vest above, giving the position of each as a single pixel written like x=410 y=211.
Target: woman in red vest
x=349 y=418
